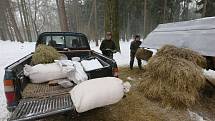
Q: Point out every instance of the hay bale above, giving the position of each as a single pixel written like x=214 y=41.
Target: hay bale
x=172 y=51
x=143 y=54
x=45 y=54
x=174 y=81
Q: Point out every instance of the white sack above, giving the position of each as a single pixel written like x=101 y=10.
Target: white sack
x=66 y=65
x=92 y=64
x=63 y=57
x=65 y=83
x=78 y=75
x=210 y=75
x=76 y=58
x=98 y=93
x=44 y=72
x=74 y=70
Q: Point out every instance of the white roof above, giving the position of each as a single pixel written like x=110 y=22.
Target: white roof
x=198 y=35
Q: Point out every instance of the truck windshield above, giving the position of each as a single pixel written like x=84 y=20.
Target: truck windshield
x=72 y=42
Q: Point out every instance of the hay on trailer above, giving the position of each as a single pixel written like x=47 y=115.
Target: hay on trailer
x=143 y=54
x=45 y=54
x=174 y=81
x=173 y=51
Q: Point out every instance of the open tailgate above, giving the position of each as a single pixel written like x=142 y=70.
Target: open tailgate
x=31 y=109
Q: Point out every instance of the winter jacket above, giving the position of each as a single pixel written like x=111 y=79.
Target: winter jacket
x=134 y=46
x=106 y=46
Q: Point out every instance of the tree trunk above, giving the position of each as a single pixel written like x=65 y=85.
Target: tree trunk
x=95 y=31
x=22 y=21
x=26 y=20
x=164 y=11
x=13 y=22
x=145 y=18
x=62 y=15
x=8 y=28
x=204 y=8
x=128 y=27
x=107 y=16
x=112 y=20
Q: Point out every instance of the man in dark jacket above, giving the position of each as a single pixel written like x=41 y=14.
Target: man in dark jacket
x=108 y=47
x=133 y=49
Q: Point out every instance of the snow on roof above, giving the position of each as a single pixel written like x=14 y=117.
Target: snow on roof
x=198 y=35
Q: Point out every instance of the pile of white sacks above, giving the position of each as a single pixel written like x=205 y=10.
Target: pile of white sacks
x=87 y=94
x=42 y=73
x=72 y=70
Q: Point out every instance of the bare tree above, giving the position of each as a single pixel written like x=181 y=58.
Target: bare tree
x=13 y=21
x=95 y=31
x=112 y=20
x=204 y=8
x=62 y=15
x=164 y=11
x=26 y=20
x=145 y=18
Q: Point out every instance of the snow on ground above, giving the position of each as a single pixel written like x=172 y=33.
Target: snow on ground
x=10 y=52
x=195 y=117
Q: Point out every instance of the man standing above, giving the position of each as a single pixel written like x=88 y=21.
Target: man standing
x=133 y=49
x=108 y=47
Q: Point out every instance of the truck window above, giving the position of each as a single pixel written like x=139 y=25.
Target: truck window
x=57 y=41
x=66 y=41
x=75 y=42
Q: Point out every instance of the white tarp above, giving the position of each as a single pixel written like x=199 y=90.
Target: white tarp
x=198 y=35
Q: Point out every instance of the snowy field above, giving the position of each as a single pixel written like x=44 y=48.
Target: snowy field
x=12 y=51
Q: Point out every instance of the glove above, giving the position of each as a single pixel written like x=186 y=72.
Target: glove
x=108 y=49
x=114 y=51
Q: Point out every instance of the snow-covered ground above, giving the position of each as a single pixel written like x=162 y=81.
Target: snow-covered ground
x=12 y=51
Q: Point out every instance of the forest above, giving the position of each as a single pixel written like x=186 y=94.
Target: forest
x=24 y=20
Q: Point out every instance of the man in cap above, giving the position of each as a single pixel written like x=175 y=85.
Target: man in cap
x=107 y=46
x=133 y=49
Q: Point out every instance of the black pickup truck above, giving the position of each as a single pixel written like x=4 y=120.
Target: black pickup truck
x=28 y=101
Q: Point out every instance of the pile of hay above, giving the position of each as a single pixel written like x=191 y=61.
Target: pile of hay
x=143 y=54
x=45 y=54
x=170 y=77
x=172 y=51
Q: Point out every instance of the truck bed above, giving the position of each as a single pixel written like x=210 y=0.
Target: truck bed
x=43 y=90
x=34 y=108
x=42 y=100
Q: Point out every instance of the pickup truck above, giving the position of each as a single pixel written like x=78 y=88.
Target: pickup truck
x=28 y=101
